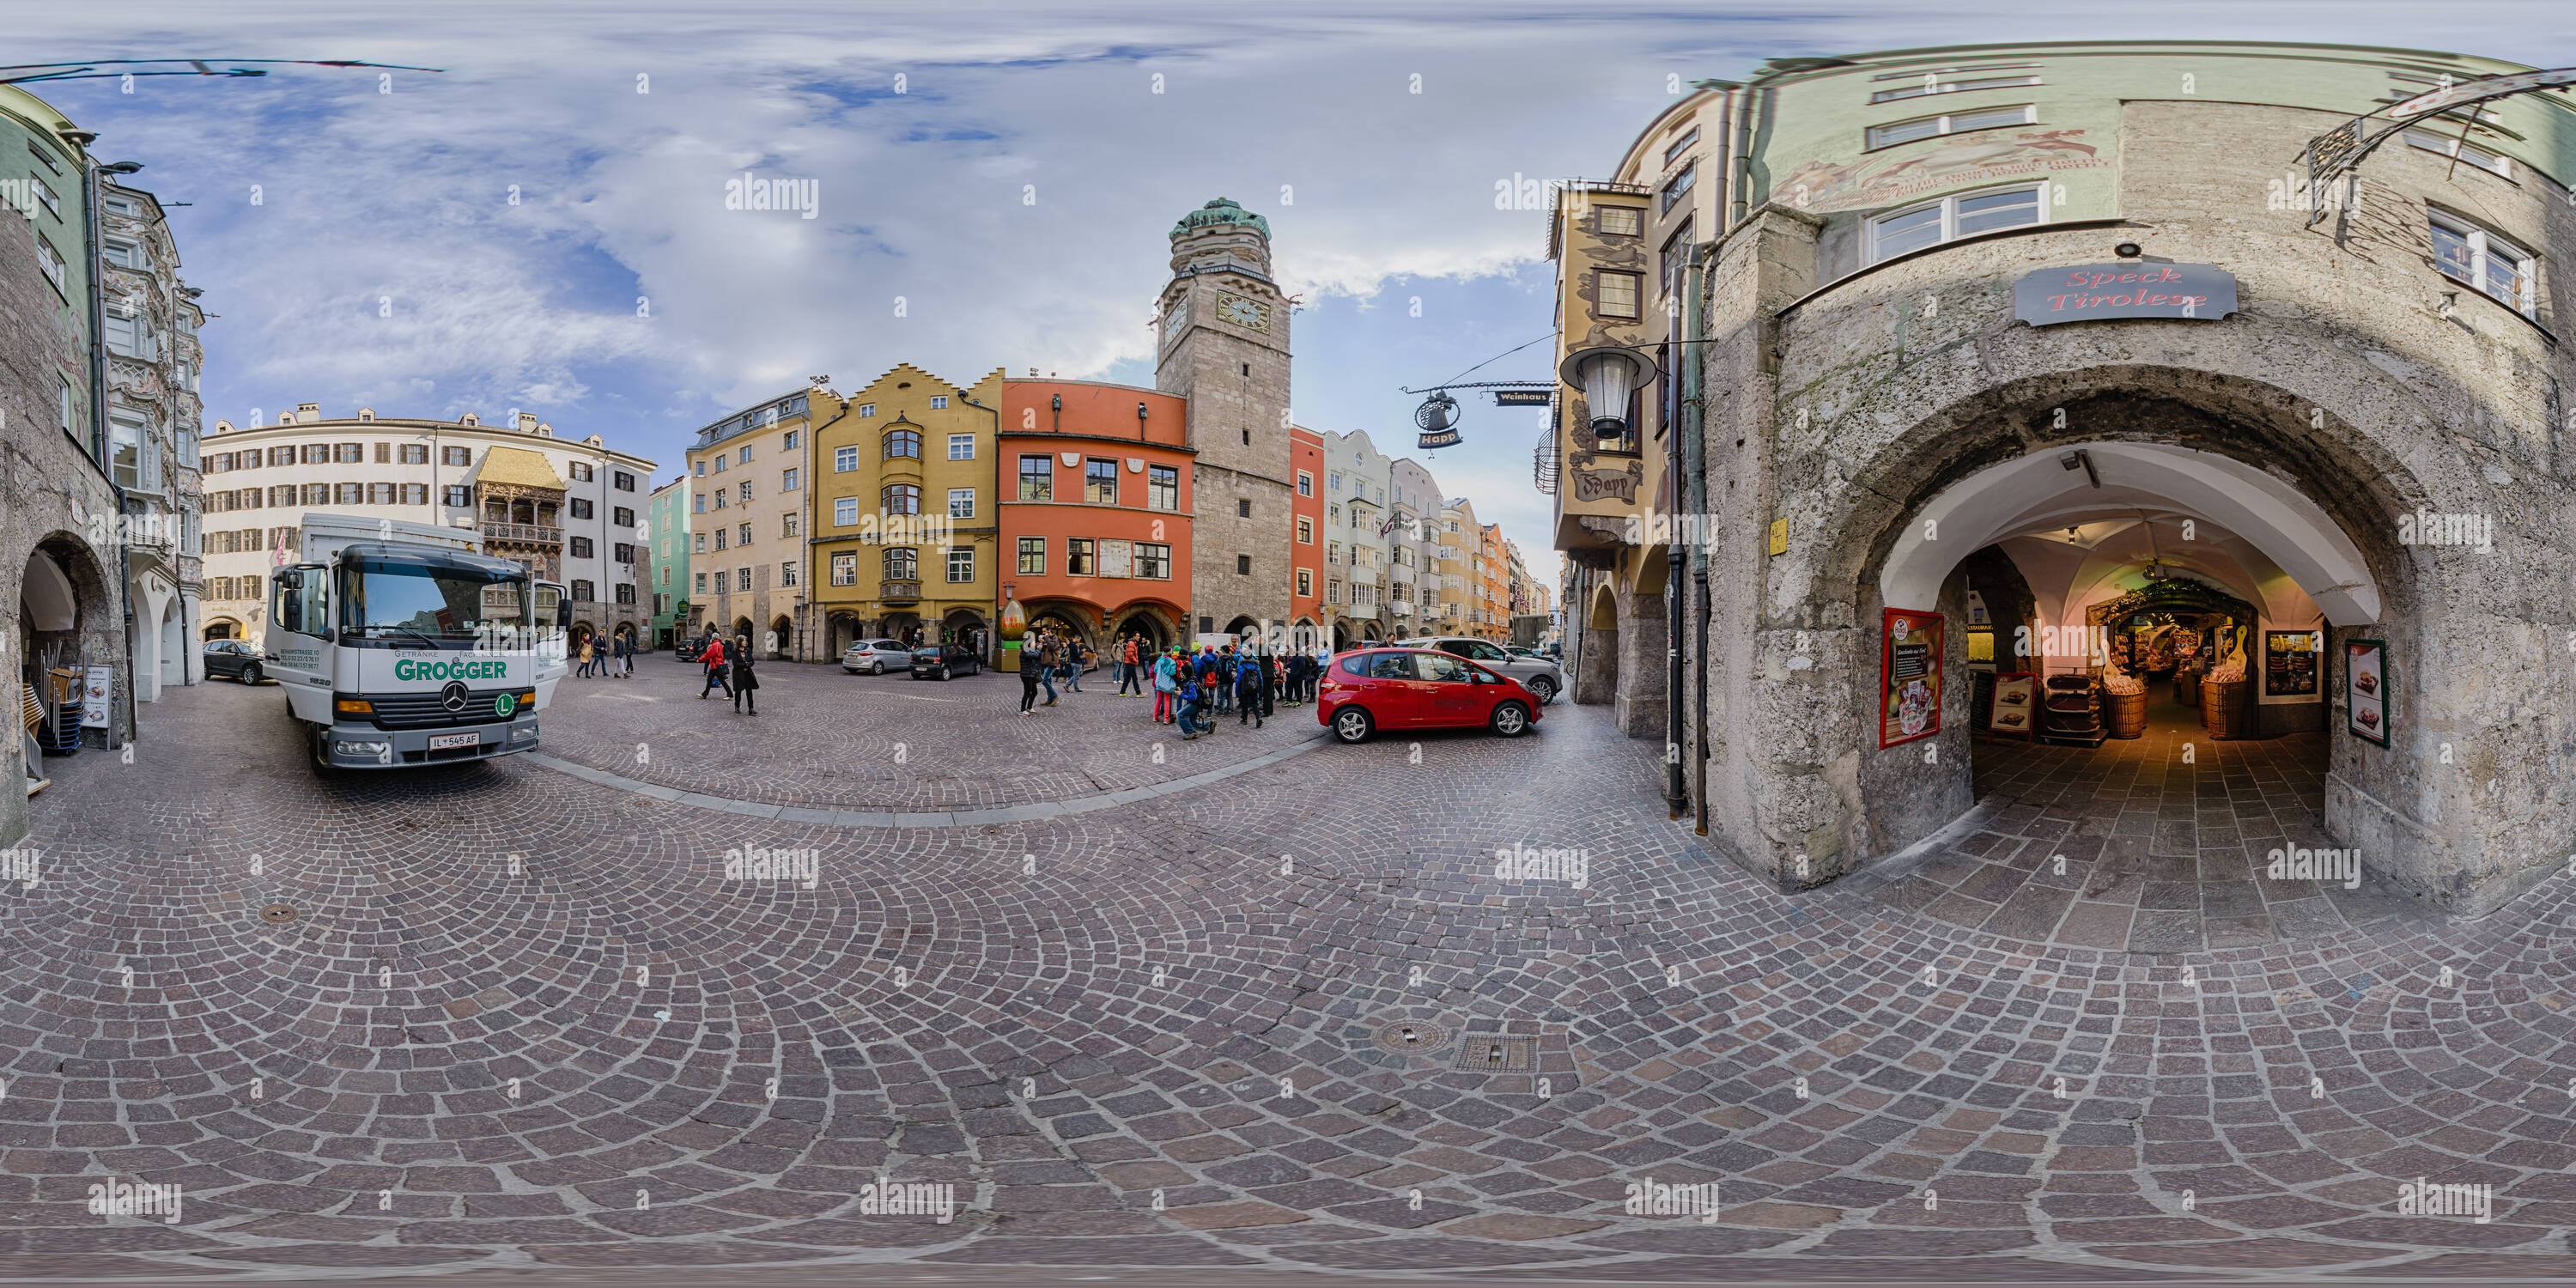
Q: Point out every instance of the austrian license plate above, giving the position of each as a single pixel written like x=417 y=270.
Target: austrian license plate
x=443 y=741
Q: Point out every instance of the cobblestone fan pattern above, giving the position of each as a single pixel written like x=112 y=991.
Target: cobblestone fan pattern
x=2161 y=856
x=827 y=739
x=509 y=1017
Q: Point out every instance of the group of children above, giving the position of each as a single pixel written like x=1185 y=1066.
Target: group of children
x=1190 y=685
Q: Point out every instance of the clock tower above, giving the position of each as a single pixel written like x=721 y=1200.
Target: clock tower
x=1223 y=345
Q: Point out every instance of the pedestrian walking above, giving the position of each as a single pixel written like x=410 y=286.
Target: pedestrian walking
x=713 y=658
x=1166 y=686
x=1129 y=678
x=582 y=659
x=1028 y=680
x=1077 y=656
x=744 y=682
x=1247 y=690
x=1050 y=657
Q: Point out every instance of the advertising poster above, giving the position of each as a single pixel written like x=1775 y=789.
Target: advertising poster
x=94 y=694
x=2290 y=661
x=1909 y=676
x=2365 y=683
x=2016 y=706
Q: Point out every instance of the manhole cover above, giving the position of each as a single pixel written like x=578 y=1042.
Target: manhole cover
x=1488 y=1053
x=279 y=912
x=1409 y=1037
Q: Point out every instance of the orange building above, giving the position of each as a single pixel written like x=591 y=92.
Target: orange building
x=1307 y=542
x=1095 y=509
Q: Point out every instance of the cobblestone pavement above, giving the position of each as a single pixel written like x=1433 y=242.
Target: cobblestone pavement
x=2130 y=847
x=826 y=739
x=1294 y=1020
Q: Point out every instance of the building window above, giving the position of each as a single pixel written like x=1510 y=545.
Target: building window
x=700 y=503
x=961 y=503
x=961 y=564
x=125 y=448
x=2483 y=260
x=625 y=552
x=787 y=480
x=623 y=481
x=581 y=473
x=384 y=453
x=702 y=583
x=1942 y=83
x=1078 y=557
x=1952 y=217
x=845 y=570
x=50 y=263
x=581 y=590
x=867 y=409
x=1306 y=582
x=380 y=494
x=454 y=456
x=961 y=447
x=844 y=459
x=939 y=402
x=1243 y=508
x=1153 y=561
x=1614 y=295
x=723 y=581
x=724 y=537
x=1332 y=592
x=903 y=443
x=581 y=547
x=745 y=496
x=787 y=526
x=787 y=573
x=1673 y=150
x=743 y=537
x=1163 y=487
x=1676 y=255
x=845 y=511
x=1926 y=127
x=788 y=440
x=1037 y=478
x=1305 y=530
x=721 y=461
x=1337 y=480
x=899 y=498
x=1100 y=481
x=1243 y=565
x=622 y=517
x=581 y=508
x=902 y=564
x=415 y=494
x=1305 y=483
x=742 y=580
x=701 y=547
x=459 y=495
x=1032 y=556
x=413 y=453
x=350 y=453
x=701 y=467
x=1622 y=221
x=625 y=592
x=1678 y=187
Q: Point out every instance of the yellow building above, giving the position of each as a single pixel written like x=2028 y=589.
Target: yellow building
x=904 y=513
x=1461 y=579
x=747 y=478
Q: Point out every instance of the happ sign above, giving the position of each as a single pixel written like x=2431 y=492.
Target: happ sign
x=2096 y=292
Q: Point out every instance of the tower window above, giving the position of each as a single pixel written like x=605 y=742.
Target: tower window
x=1243 y=508
x=1243 y=565
x=1247 y=438
x=1247 y=368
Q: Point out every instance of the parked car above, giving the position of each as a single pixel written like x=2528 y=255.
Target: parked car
x=874 y=656
x=945 y=660
x=235 y=658
x=1543 y=678
x=1366 y=690
x=686 y=651
x=1517 y=651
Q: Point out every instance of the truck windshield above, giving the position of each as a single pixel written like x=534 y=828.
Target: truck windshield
x=392 y=599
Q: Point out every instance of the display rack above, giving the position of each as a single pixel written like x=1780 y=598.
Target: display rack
x=2071 y=711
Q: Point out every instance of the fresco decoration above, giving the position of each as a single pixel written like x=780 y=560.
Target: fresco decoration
x=1983 y=156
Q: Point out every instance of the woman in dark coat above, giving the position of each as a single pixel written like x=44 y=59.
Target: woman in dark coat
x=744 y=682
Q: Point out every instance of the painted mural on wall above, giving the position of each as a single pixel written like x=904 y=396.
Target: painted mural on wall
x=1981 y=157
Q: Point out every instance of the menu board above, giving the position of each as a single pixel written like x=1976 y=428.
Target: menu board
x=2365 y=683
x=2015 y=709
x=1909 y=676
x=2290 y=662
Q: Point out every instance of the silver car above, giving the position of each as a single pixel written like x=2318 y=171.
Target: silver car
x=874 y=656
x=1543 y=678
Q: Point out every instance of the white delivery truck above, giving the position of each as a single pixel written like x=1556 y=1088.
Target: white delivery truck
x=402 y=644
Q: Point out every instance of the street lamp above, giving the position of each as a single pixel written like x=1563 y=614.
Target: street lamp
x=1607 y=375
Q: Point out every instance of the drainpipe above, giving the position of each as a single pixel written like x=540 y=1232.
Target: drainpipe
x=100 y=452
x=1676 y=794
x=993 y=624
x=1695 y=474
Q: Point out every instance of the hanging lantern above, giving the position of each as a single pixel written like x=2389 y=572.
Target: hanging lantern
x=1607 y=375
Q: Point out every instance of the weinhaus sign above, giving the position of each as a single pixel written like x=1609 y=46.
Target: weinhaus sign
x=2098 y=292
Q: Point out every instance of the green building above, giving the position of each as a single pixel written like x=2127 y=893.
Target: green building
x=669 y=576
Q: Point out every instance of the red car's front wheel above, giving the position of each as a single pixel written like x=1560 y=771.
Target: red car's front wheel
x=1351 y=724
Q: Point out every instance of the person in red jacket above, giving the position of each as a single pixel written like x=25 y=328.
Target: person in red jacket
x=714 y=660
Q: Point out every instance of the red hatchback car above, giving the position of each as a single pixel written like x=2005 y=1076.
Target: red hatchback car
x=1366 y=690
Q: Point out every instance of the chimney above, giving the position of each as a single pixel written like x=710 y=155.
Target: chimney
x=307 y=413
x=527 y=422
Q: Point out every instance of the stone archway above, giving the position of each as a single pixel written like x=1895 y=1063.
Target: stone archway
x=781 y=638
x=223 y=628
x=2310 y=482
x=1596 y=662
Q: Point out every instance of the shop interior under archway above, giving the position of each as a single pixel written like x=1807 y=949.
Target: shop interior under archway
x=2146 y=635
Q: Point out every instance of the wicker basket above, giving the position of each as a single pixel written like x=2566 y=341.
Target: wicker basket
x=2222 y=709
x=2126 y=713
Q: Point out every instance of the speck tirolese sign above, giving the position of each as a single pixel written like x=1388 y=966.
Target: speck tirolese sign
x=2097 y=292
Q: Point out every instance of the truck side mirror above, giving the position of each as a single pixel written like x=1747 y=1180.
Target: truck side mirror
x=563 y=613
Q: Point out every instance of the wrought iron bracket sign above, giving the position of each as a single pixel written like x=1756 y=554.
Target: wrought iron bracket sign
x=2131 y=289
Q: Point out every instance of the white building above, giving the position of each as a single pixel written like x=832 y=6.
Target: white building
x=1355 y=559
x=570 y=510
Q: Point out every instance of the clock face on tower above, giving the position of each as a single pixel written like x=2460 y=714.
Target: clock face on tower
x=1249 y=314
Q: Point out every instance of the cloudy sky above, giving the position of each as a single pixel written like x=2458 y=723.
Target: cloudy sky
x=541 y=223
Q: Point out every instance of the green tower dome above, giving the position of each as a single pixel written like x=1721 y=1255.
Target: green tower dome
x=1221 y=211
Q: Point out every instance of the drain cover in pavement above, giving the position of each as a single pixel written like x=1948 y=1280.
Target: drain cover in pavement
x=1409 y=1037
x=1487 y=1053
x=279 y=912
